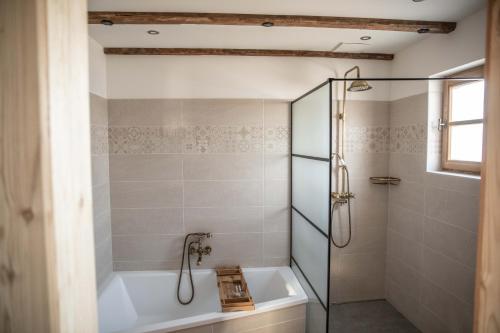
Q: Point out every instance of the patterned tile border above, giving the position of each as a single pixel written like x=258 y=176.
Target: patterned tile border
x=198 y=140
x=410 y=139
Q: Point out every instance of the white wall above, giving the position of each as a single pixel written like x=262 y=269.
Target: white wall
x=439 y=53
x=229 y=77
x=97 y=69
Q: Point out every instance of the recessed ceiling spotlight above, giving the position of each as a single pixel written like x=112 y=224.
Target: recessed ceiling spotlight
x=365 y=37
x=423 y=30
x=267 y=24
x=418 y=0
x=153 y=32
x=107 y=22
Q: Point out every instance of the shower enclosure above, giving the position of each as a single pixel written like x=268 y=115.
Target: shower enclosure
x=388 y=145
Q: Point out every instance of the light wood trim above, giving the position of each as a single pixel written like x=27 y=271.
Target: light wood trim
x=47 y=275
x=246 y=52
x=446 y=162
x=277 y=20
x=487 y=298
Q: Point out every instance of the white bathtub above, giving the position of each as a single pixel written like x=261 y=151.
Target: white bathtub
x=147 y=302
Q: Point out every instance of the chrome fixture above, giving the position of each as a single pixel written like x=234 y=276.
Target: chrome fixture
x=343 y=195
x=194 y=247
x=153 y=32
x=365 y=37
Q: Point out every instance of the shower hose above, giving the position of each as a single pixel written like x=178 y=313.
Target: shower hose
x=190 y=274
x=334 y=204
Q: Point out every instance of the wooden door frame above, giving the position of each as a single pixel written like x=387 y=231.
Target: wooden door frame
x=47 y=274
x=487 y=298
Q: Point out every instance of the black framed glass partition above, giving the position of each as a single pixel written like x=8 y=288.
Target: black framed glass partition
x=373 y=147
x=310 y=200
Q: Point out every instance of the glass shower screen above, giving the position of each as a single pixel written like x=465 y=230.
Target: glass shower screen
x=310 y=200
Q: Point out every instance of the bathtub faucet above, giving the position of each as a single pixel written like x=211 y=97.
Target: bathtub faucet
x=196 y=247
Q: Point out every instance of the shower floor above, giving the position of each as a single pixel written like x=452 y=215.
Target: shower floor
x=369 y=317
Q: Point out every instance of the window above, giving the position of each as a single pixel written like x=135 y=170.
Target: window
x=462 y=124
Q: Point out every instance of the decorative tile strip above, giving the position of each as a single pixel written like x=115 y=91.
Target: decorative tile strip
x=409 y=139
x=99 y=140
x=198 y=140
x=367 y=140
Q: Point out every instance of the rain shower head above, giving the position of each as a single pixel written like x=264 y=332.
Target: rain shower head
x=359 y=85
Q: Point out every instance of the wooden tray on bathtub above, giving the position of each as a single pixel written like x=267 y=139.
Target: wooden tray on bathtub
x=233 y=290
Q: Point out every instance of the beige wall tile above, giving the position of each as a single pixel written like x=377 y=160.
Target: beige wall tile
x=147 y=247
x=100 y=199
x=276 y=113
x=102 y=227
x=222 y=112
x=277 y=166
x=410 y=167
x=409 y=195
x=223 y=219
x=277 y=192
x=456 y=315
x=100 y=170
x=145 y=112
x=236 y=248
x=277 y=219
x=145 y=167
x=409 y=110
x=103 y=257
x=406 y=250
x=456 y=243
x=222 y=193
x=146 y=265
x=223 y=167
x=146 y=194
x=276 y=245
x=461 y=210
x=367 y=113
x=404 y=276
x=130 y=221
x=448 y=274
x=365 y=165
x=367 y=239
x=98 y=110
x=406 y=222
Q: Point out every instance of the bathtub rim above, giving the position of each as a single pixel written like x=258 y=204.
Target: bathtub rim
x=215 y=317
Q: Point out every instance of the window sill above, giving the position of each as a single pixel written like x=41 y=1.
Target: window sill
x=454 y=174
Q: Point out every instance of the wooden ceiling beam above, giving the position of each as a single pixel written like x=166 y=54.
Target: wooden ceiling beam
x=275 y=20
x=246 y=52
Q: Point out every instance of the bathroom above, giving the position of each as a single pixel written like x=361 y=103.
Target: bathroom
x=327 y=177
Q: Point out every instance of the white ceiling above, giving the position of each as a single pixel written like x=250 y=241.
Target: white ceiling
x=205 y=36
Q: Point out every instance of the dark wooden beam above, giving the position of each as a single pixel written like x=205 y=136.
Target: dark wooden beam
x=246 y=52
x=276 y=20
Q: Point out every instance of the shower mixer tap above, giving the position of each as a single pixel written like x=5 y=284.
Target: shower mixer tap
x=197 y=248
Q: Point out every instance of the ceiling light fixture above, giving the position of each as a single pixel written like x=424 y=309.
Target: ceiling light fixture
x=153 y=32
x=418 y=0
x=365 y=37
x=267 y=24
x=107 y=22
x=423 y=30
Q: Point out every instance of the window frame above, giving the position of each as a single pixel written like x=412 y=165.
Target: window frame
x=448 y=164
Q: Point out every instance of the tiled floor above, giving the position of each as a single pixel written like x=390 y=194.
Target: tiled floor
x=368 y=317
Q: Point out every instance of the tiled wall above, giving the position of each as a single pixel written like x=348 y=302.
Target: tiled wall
x=431 y=237
x=100 y=187
x=179 y=166
x=359 y=268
